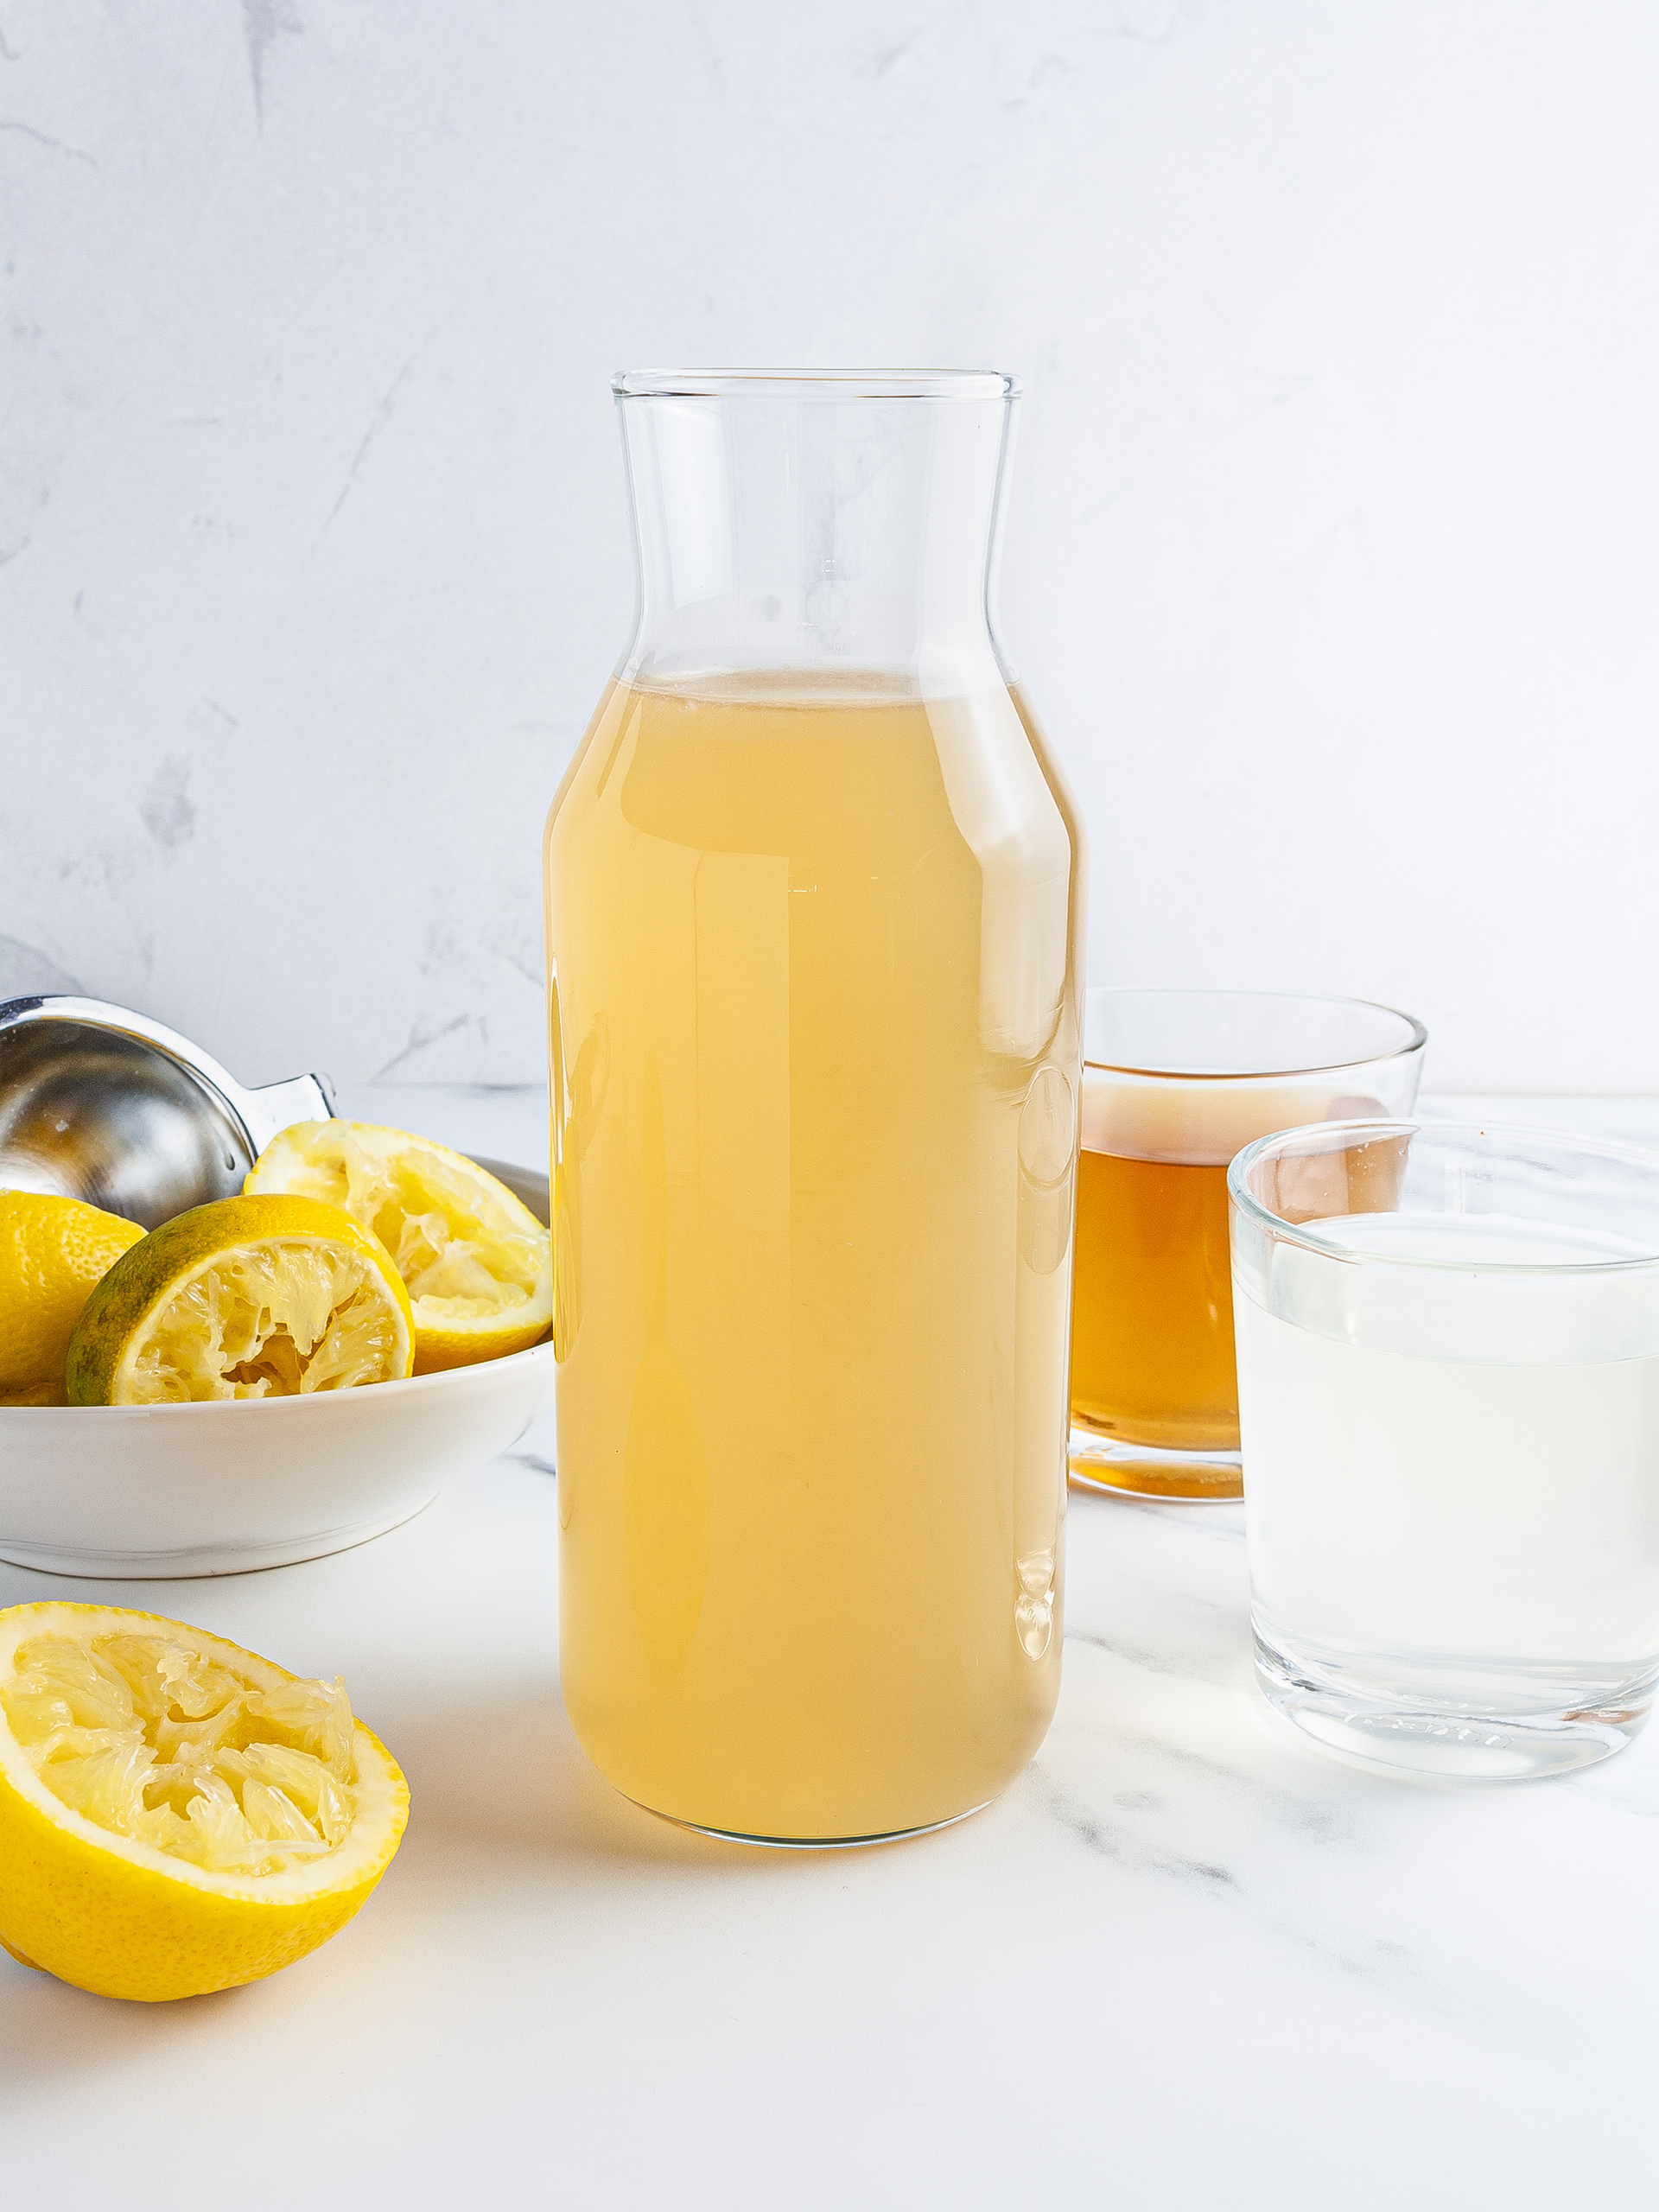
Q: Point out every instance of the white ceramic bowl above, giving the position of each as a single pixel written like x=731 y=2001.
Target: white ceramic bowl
x=216 y=1488
x=151 y=1491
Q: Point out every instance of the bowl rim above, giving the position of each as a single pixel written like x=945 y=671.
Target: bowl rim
x=287 y=1407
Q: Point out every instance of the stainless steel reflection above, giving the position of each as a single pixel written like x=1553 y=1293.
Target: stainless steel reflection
x=101 y=1103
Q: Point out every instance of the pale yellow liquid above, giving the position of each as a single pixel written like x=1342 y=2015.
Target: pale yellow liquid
x=814 y=979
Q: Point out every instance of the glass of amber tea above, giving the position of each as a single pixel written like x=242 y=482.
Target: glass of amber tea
x=1174 y=1084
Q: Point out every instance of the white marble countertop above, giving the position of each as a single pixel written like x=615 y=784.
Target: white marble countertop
x=1186 y=1960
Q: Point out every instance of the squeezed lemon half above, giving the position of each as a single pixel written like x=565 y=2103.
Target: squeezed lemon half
x=176 y=1814
x=477 y=1263
x=245 y=1298
x=52 y=1250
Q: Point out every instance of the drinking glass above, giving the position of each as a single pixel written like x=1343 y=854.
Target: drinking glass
x=814 y=905
x=1448 y=1374
x=1173 y=1083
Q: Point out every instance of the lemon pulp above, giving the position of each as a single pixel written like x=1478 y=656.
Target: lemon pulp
x=177 y=1815
x=244 y=1298
x=148 y=1740
x=475 y=1261
x=275 y=1319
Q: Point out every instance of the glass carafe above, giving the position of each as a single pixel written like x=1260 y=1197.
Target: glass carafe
x=815 y=906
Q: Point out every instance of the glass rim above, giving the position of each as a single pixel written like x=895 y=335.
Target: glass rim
x=1414 y=1043
x=814 y=384
x=1306 y=1233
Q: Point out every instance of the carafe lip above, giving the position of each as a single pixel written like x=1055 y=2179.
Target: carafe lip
x=840 y=384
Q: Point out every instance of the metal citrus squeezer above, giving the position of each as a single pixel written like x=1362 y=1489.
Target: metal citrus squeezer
x=101 y=1103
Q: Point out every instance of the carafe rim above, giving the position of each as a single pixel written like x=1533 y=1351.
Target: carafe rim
x=806 y=383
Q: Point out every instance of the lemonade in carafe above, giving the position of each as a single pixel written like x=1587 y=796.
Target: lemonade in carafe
x=814 y=897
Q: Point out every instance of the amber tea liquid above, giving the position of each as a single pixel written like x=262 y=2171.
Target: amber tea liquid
x=1152 y=1313
x=1152 y=1309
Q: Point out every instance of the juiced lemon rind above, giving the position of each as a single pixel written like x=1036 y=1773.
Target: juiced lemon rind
x=117 y=1916
x=441 y=1215
x=53 y=1251
x=121 y=1319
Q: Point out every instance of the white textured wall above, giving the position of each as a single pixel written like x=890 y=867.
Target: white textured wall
x=1334 y=555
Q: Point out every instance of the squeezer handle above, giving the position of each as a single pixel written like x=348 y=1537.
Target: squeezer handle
x=279 y=1105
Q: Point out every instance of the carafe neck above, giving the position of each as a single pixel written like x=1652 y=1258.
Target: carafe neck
x=817 y=521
